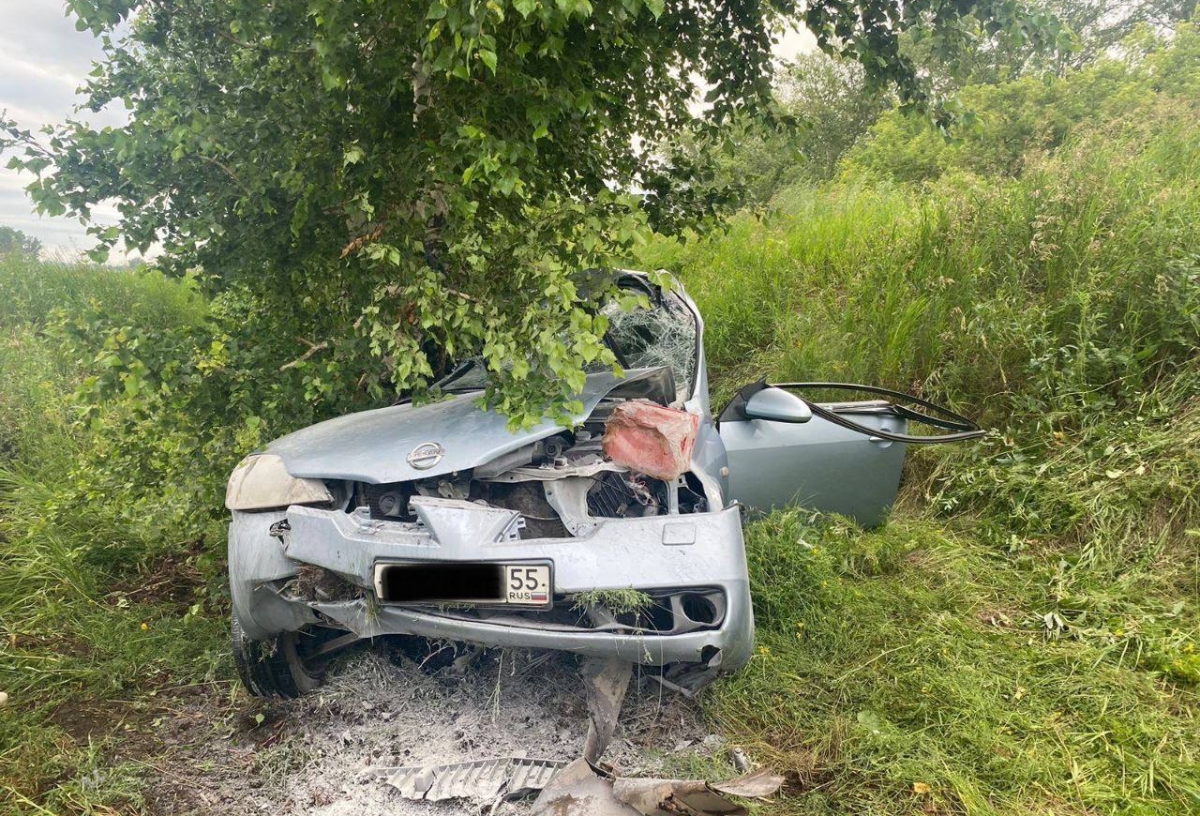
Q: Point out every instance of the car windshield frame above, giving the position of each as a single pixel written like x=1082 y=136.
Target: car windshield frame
x=474 y=367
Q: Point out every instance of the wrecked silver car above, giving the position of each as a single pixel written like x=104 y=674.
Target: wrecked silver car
x=618 y=538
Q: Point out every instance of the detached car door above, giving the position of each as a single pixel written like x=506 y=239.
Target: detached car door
x=780 y=454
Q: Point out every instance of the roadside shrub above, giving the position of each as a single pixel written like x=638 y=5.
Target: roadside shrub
x=1010 y=124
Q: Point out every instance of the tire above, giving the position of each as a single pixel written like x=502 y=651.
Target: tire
x=273 y=668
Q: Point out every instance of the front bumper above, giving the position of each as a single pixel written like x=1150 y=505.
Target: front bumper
x=702 y=552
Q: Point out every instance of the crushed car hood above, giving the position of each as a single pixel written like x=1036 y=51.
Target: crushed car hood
x=373 y=446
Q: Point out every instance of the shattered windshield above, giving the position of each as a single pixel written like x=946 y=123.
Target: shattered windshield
x=664 y=334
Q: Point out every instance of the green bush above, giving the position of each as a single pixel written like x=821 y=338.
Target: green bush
x=1009 y=125
x=103 y=592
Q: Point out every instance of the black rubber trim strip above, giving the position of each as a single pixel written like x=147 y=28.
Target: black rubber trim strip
x=735 y=409
x=959 y=426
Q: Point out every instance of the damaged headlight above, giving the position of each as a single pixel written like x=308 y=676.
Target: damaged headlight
x=261 y=482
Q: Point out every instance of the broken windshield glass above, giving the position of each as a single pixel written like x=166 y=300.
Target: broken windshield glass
x=664 y=334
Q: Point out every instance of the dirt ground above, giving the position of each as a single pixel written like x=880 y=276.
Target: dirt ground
x=381 y=708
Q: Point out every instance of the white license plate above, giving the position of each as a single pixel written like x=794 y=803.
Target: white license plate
x=464 y=582
x=527 y=585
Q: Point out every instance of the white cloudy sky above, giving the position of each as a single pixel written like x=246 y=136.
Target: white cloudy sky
x=43 y=59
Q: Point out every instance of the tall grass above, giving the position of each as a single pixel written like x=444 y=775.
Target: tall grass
x=1024 y=635
x=1079 y=277
x=910 y=670
x=33 y=290
x=86 y=614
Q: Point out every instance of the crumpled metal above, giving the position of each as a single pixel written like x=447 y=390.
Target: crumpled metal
x=484 y=779
x=606 y=682
x=582 y=789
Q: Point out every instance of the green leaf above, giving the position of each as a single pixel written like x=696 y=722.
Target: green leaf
x=353 y=155
x=484 y=193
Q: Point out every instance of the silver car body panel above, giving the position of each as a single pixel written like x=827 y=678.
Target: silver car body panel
x=661 y=552
x=816 y=464
x=373 y=446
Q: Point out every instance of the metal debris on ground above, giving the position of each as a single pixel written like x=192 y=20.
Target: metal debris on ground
x=606 y=682
x=739 y=759
x=581 y=789
x=757 y=785
x=483 y=779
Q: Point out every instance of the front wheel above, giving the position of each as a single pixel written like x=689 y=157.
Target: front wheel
x=276 y=667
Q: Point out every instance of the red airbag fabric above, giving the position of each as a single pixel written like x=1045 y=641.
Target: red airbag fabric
x=651 y=439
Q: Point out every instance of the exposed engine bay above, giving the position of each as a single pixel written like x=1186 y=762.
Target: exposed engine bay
x=560 y=485
x=630 y=459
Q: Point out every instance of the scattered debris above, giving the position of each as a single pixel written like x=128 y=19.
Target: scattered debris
x=508 y=778
x=579 y=790
x=582 y=789
x=485 y=779
x=739 y=759
x=757 y=785
x=675 y=687
x=391 y=707
x=606 y=682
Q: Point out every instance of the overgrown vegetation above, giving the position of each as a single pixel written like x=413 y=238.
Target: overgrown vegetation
x=102 y=597
x=616 y=601
x=441 y=178
x=1022 y=635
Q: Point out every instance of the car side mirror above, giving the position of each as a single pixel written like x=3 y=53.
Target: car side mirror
x=777 y=405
